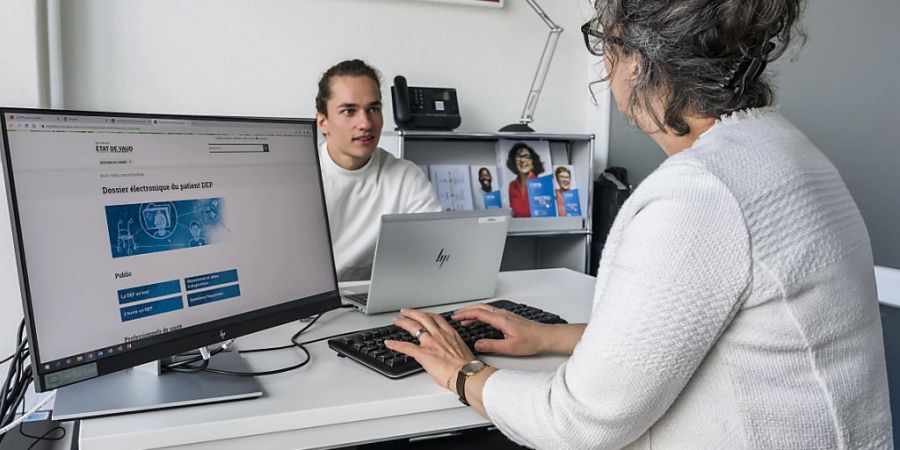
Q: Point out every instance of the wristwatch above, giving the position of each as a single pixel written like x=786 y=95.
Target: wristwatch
x=469 y=369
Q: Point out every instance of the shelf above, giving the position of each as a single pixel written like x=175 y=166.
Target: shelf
x=533 y=242
x=549 y=233
x=454 y=135
x=547 y=225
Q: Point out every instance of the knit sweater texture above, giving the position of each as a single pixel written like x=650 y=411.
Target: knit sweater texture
x=735 y=307
x=356 y=200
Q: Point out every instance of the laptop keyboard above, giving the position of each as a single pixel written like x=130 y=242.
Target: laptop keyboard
x=367 y=346
x=362 y=298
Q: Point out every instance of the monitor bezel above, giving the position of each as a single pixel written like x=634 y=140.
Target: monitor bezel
x=189 y=338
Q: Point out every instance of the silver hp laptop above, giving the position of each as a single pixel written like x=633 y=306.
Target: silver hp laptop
x=433 y=258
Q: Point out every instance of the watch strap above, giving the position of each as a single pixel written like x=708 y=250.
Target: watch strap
x=461 y=387
x=461 y=378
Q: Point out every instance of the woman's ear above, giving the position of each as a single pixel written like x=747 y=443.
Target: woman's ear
x=631 y=66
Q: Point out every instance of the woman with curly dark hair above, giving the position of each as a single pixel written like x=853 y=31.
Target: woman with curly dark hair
x=523 y=161
x=735 y=304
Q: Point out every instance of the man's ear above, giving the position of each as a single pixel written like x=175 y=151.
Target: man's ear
x=322 y=123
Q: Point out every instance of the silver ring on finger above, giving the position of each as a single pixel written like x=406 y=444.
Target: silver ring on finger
x=420 y=332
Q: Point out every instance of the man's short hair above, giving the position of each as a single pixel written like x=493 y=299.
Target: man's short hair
x=348 y=68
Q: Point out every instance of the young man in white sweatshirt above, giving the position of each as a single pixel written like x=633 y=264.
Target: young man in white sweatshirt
x=362 y=181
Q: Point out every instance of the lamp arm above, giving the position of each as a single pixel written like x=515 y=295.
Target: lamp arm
x=543 y=65
x=540 y=12
x=540 y=76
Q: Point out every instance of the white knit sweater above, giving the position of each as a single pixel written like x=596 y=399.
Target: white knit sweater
x=356 y=200
x=735 y=307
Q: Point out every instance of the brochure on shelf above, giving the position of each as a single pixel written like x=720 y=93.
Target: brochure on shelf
x=568 y=202
x=540 y=197
x=453 y=186
x=522 y=161
x=485 y=187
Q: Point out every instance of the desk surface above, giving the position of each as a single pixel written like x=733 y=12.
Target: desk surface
x=335 y=401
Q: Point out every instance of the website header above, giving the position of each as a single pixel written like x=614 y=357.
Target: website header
x=162 y=125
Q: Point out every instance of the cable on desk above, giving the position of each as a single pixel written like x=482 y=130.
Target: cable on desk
x=267 y=372
x=275 y=371
x=283 y=347
x=10 y=390
x=185 y=368
x=18 y=378
x=184 y=365
x=293 y=344
x=26 y=415
x=42 y=437
x=322 y=339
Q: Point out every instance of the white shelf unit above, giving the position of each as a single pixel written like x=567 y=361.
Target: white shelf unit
x=533 y=243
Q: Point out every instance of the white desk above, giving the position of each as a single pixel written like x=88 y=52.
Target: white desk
x=336 y=401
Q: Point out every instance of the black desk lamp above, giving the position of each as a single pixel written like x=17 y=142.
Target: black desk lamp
x=543 y=66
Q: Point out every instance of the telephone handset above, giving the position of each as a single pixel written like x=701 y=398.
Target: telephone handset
x=424 y=108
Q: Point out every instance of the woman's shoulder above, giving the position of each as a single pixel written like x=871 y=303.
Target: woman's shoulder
x=682 y=189
x=755 y=154
x=756 y=138
x=683 y=178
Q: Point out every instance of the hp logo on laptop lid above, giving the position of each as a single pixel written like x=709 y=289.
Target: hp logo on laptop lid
x=442 y=258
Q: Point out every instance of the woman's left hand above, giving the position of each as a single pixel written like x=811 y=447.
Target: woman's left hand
x=441 y=351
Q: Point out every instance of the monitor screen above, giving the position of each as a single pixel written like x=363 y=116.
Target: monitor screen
x=141 y=236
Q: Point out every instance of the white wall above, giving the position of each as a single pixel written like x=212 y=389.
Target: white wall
x=264 y=58
x=19 y=86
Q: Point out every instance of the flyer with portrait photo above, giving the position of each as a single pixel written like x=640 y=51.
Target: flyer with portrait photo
x=565 y=191
x=485 y=187
x=523 y=163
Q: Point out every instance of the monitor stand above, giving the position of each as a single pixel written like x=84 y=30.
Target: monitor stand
x=136 y=389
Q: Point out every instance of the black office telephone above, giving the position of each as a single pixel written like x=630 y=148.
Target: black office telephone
x=424 y=108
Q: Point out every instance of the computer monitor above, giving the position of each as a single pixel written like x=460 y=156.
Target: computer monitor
x=142 y=236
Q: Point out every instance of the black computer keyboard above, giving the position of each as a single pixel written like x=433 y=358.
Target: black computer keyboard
x=367 y=346
x=362 y=299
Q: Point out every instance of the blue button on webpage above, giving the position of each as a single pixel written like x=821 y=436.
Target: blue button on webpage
x=211 y=279
x=213 y=295
x=136 y=294
x=151 y=308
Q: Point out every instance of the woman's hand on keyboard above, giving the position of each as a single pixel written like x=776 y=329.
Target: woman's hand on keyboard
x=522 y=337
x=441 y=351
